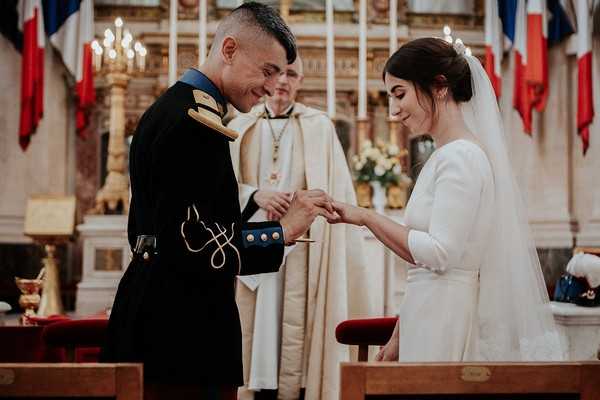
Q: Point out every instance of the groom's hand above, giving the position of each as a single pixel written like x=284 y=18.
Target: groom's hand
x=306 y=205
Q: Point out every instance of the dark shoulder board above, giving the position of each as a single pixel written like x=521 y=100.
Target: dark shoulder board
x=207 y=113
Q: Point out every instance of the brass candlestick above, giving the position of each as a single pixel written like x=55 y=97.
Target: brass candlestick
x=119 y=56
x=115 y=191
x=50 y=303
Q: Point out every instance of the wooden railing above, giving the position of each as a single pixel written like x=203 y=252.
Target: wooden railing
x=372 y=380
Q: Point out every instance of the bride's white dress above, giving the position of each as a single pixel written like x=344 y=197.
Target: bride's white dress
x=450 y=214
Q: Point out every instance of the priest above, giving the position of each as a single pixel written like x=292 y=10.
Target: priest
x=289 y=317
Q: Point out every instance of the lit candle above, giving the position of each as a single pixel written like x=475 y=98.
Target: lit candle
x=330 y=60
x=172 y=42
x=127 y=39
x=119 y=31
x=109 y=38
x=362 y=60
x=130 y=56
x=97 y=54
x=142 y=64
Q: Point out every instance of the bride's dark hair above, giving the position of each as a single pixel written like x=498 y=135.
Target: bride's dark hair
x=432 y=63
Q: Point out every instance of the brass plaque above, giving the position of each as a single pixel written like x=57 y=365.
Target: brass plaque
x=7 y=376
x=108 y=259
x=476 y=374
x=49 y=215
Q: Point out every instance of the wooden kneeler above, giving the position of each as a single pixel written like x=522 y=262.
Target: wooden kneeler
x=463 y=381
x=119 y=381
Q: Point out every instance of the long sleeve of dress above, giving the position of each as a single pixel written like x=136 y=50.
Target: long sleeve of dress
x=458 y=185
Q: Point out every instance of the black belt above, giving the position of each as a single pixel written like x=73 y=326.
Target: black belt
x=145 y=245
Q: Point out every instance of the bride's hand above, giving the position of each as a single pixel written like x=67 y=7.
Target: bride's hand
x=389 y=352
x=348 y=214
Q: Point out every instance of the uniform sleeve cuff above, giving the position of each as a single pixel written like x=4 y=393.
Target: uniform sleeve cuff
x=262 y=237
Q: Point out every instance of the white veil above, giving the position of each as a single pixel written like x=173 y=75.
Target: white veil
x=515 y=319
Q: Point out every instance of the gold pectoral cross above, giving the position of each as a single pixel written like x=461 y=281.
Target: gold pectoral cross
x=274 y=178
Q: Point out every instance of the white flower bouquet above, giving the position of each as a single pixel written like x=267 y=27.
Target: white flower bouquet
x=378 y=163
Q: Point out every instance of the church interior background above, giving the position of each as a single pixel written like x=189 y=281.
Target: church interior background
x=560 y=183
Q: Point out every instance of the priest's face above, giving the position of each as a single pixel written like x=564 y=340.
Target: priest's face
x=288 y=83
x=408 y=105
x=253 y=71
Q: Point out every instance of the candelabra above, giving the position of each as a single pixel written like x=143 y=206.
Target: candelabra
x=117 y=58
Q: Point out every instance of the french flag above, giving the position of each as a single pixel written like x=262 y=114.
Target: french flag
x=537 y=52
x=31 y=23
x=507 y=10
x=521 y=92
x=561 y=20
x=70 y=27
x=585 y=97
x=493 y=45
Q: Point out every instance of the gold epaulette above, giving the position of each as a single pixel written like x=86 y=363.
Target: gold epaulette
x=209 y=113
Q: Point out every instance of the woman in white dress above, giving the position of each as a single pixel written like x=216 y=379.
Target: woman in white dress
x=476 y=291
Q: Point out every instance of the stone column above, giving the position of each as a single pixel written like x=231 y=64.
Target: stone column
x=329 y=16
x=202 y=22
x=172 y=42
x=362 y=120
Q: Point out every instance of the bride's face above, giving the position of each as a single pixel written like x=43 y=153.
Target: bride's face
x=409 y=105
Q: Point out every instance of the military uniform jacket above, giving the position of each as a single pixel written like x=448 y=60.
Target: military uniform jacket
x=175 y=307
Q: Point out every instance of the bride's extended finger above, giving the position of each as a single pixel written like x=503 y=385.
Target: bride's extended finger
x=326 y=214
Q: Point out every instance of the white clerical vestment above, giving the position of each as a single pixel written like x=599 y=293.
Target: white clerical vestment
x=264 y=365
x=290 y=343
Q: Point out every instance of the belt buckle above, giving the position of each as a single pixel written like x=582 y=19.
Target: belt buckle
x=143 y=244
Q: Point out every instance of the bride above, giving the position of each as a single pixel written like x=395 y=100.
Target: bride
x=476 y=291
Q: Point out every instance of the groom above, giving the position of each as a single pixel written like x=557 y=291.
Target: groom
x=175 y=308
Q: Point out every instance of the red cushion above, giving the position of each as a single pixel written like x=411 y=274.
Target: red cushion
x=369 y=331
x=76 y=333
x=52 y=319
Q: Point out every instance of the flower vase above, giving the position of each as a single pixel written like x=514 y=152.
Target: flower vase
x=378 y=197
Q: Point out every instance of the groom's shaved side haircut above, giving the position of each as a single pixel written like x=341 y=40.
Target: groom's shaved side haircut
x=253 y=22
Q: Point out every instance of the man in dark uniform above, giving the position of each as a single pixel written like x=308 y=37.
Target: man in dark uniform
x=175 y=307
